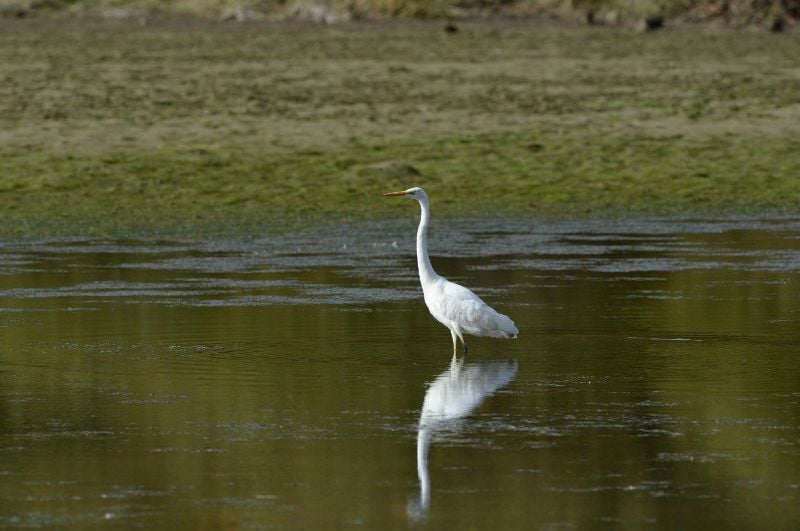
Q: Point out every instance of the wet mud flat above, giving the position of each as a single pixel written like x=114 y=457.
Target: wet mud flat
x=297 y=381
x=187 y=127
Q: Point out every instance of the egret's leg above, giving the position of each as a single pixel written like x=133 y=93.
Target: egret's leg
x=461 y=337
x=455 y=343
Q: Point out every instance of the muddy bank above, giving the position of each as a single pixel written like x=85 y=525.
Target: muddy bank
x=185 y=125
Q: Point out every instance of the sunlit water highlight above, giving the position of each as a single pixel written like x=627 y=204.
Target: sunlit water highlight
x=298 y=381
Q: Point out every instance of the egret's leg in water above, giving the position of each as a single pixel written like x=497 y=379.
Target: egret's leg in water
x=461 y=337
x=455 y=343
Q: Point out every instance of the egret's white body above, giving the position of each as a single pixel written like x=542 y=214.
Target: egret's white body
x=451 y=304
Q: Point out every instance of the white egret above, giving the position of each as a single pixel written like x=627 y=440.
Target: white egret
x=453 y=305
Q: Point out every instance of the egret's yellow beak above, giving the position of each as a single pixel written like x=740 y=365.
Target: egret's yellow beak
x=393 y=194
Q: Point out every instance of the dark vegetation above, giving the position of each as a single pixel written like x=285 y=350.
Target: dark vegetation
x=776 y=15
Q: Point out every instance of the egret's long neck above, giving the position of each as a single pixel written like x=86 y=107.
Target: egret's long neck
x=426 y=272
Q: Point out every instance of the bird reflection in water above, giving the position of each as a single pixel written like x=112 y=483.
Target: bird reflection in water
x=452 y=396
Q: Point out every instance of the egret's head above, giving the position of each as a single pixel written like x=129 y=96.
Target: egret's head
x=414 y=193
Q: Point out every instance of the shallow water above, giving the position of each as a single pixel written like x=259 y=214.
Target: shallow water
x=299 y=382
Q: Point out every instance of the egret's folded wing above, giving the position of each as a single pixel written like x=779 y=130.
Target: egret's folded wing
x=473 y=315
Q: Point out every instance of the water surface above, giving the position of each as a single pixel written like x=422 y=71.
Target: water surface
x=299 y=382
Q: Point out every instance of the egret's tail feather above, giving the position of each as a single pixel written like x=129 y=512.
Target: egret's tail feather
x=504 y=327
x=508 y=326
